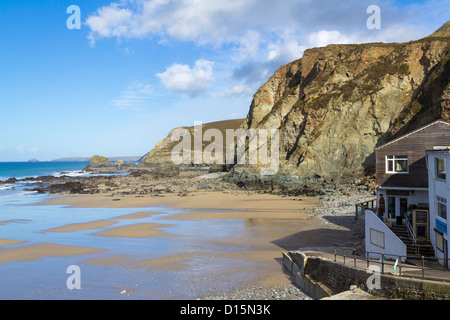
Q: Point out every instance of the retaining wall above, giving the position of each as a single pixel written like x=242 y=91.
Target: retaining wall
x=321 y=277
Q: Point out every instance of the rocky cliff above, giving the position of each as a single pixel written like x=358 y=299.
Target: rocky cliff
x=337 y=103
x=160 y=155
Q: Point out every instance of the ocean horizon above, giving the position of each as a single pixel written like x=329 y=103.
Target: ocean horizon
x=20 y=169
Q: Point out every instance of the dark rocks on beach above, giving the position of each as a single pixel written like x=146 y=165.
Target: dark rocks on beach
x=160 y=180
x=99 y=164
x=75 y=187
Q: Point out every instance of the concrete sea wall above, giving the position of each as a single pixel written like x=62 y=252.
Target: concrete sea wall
x=321 y=278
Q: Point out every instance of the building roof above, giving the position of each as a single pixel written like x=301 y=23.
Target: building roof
x=413 y=132
x=439 y=150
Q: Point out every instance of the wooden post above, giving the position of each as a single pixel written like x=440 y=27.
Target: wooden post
x=423 y=267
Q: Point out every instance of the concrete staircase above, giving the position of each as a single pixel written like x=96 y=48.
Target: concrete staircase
x=423 y=248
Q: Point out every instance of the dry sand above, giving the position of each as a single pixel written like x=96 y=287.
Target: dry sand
x=200 y=200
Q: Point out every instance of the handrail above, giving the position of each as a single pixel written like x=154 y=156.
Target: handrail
x=411 y=233
x=366 y=205
x=397 y=258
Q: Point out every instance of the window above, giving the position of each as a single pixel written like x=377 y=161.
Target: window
x=396 y=164
x=441 y=207
x=377 y=238
x=439 y=241
x=440 y=168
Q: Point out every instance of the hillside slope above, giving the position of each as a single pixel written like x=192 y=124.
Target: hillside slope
x=337 y=103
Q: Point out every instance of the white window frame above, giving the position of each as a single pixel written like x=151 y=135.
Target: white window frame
x=396 y=158
x=442 y=201
x=436 y=167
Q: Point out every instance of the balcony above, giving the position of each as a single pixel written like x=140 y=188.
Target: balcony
x=360 y=208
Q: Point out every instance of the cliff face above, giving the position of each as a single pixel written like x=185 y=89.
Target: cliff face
x=337 y=103
x=161 y=153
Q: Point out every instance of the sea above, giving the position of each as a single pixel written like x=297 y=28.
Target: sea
x=21 y=170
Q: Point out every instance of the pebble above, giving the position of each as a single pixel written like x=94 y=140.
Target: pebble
x=260 y=293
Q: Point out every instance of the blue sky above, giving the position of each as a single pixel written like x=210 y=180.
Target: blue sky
x=138 y=68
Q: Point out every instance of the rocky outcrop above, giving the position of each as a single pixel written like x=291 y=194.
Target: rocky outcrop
x=100 y=164
x=337 y=103
x=160 y=155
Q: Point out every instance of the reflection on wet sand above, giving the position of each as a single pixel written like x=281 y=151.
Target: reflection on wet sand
x=210 y=238
x=36 y=251
x=83 y=226
x=139 y=230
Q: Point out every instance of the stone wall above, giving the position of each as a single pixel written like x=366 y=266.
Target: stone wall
x=321 y=277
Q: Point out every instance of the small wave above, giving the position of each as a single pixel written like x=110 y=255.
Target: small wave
x=28 y=182
x=6 y=187
x=18 y=194
x=75 y=173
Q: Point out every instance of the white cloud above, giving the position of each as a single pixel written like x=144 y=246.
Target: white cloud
x=33 y=149
x=323 y=38
x=136 y=96
x=110 y=21
x=236 y=90
x=286 y=48
x=182 y=78
x=262 y=34
x=249 y=45
x=243 y=22
x=187 y=20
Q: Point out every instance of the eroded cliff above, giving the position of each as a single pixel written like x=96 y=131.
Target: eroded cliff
x=337 y=103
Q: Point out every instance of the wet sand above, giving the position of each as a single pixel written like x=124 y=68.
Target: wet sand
x=267 y=225
x=37 y=251
x=267 y=218
x=83 y=226
x=8 y=242
x=139 y=230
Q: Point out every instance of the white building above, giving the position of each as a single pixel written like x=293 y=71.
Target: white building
x=438 y=163
x=404 y=200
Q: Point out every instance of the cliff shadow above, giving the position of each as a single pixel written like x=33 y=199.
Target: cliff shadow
x=322 y=239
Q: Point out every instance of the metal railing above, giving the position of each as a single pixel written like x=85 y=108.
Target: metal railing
x=411 y=232
x=366 y=205
x=404 y=269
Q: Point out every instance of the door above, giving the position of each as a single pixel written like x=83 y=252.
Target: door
x=403 y=207
x=420 y=223
x=391 y=207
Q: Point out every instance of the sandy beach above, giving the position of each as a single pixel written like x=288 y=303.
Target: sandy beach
x=268 y=224
x=178 y=238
